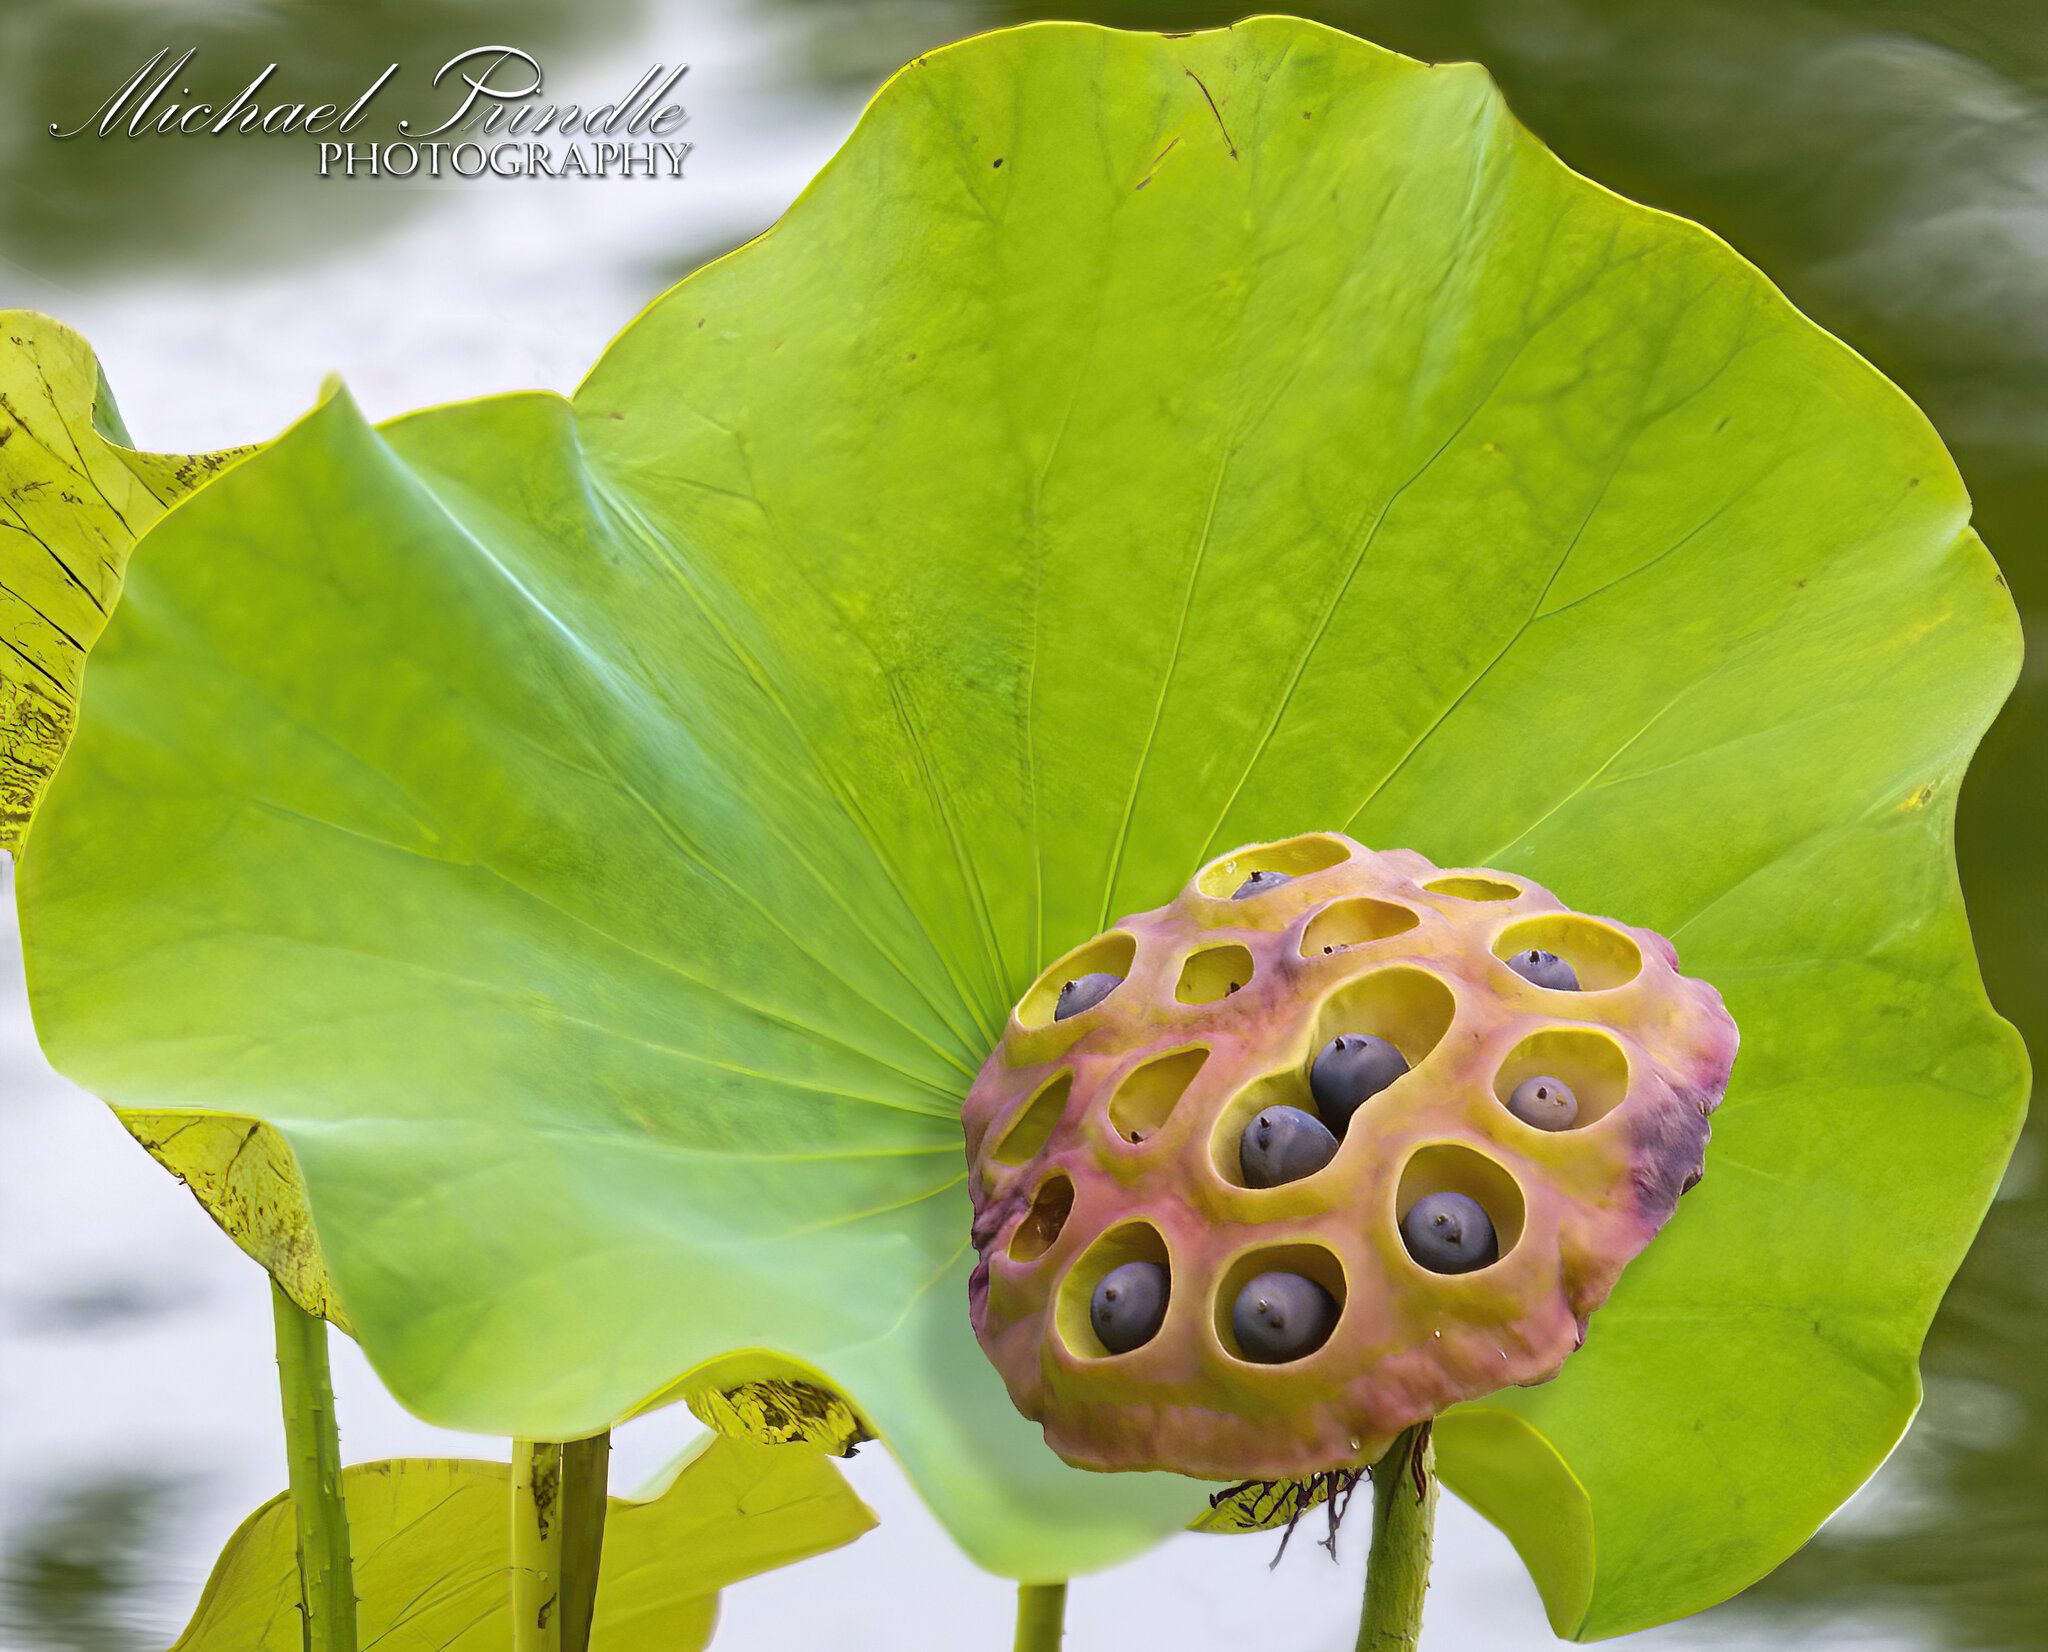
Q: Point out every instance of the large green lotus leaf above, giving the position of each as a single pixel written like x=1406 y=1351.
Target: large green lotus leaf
x=600 y=837
x=74 y=497
x=429 y=1537
x=1887 y=162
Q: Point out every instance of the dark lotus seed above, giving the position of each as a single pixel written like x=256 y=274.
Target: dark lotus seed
x=1545 y=969
x=1258 y=883
x=1284 y=1144
x=1348 y=1072
x=1449 y=1233
x=1282 y=1316
x=1085 y=993
x=1546 y=1102
x=1129 y=1306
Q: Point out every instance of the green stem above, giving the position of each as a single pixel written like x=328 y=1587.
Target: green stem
x=1041 y=1617
x=585 y=1471
x=327 y=1594
x=536 y=1546
x=1397 y=1569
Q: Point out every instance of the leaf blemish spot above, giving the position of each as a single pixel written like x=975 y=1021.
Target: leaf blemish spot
x=1228 y=142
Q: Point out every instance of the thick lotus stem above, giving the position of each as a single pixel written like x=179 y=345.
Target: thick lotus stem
x=536 y=1548
x=1041 y=1617
x=558 y=1510
x=327 y=1596
x=585 y=1466
x=1397 y=1569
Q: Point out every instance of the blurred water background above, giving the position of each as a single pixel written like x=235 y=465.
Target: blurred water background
x=1886 y=162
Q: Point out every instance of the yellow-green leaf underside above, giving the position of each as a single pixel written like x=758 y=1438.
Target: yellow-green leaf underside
x=73 y=501
x=430 y=1540
x=600 y=837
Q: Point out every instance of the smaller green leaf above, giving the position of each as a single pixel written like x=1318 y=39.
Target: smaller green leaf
x=430 y=1537
x=74 y=498
x=1277 y=1505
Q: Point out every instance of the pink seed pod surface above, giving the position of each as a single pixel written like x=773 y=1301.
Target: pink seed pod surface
x=1114 y=1135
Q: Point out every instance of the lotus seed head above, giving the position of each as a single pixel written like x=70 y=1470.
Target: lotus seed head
x=1084 y=993
x=1245 y=1235
x=1349 y=1071
x=1282 y=1316
x=1129 y=1305
x=1545 y=969
x=1546 y=1102
x=1284 y=1144
x=1449 y=1233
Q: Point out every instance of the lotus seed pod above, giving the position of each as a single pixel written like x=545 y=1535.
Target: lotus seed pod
x=1120 y=1136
